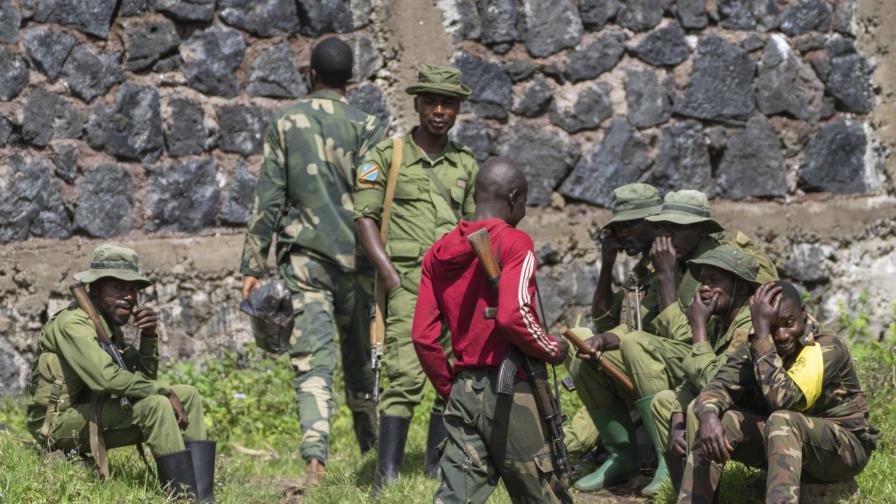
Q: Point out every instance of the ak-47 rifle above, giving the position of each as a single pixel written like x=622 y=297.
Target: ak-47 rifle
x=378 y=308
x=536 y=370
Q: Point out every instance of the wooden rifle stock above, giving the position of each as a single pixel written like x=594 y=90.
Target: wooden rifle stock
x=607 y=367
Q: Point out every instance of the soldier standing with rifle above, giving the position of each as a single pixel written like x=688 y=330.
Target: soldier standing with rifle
x=432 y=188
x=304 y=196
x=490 y=434
x=92 y=391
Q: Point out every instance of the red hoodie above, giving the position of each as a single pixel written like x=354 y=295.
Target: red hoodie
x=454 y=290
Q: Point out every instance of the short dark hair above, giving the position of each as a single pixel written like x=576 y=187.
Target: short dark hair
x=790 y=291
x=332 y=60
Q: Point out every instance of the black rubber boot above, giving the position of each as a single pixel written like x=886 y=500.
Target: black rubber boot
x=434 y=438
x=176 y=474
x=203 y=454
x=364 y=419
x=390 y=450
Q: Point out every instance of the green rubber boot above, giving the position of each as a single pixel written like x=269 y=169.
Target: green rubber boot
x=662 y=472
x=618 y=435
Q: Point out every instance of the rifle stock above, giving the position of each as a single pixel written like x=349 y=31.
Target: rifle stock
x=605 y=366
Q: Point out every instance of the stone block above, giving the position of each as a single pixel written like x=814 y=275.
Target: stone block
x=133 y=8
x=620 y=158
x=461 y=19
x=95 y=127
x=48 y=49
x=664 y=46
x=683 y=159
x=596 y=58
x=5 y=131
x=753 y=165
x=809 y=262
x=240 y=127
x=13 y=74
x=534 y=100
x=326 y=16
x=368 y=60
x=498 y=20
x=849 y=77
x=640 y=15
x=275 y=74
x=489 y=83
x=806 y=16
x=105 y=202
x=187 y=10
x=10 y=19
x=92 y=17
x=240 y=192
x=183 y=197
x=476 y=135
x=648 y=99
x=30 y=205
x=519 y=70
x=134 y=130
x=550 y=27
x=185 y=133
x=89 y=74
x=759 y=15
x=692 y=13
x=720 y=87
x=597 y=13
x=543 y=155
x=786 y=84
x=211 y=58
x=148 y=41
x=369 y=98
x=575 y=110
x=64 y=157
x=263 y=18
x=835 y=160
x=48 y=116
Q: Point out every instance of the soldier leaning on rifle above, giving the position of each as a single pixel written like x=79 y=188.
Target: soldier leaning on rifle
x=788 y=399
x=489 y=436
x=304 y=196
x=434 y=190
x=74 y=379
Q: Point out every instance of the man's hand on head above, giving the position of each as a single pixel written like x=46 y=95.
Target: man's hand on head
x=147 y=320
x=764 y=306
x=663 y=255
x=250 y=283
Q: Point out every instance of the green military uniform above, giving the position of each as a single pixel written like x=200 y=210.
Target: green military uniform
x=71 y=366
x=807 y=416
x=304 y=196
x=705 y=357
x=431 y=196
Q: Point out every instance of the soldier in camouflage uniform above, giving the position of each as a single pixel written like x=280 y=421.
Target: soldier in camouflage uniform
x=490 y=436
x=718 y=319
x=304 y=197
x=433 y=191
x=615 y=312
x=788 y=399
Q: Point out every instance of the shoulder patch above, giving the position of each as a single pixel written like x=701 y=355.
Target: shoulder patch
x=368 y=173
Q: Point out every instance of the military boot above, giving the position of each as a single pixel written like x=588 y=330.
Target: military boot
x=434 y=438
x=618 y=435
x=662 y=472
x=176 y=474
x=364 y=419
x=203 y=455
x=390 y=450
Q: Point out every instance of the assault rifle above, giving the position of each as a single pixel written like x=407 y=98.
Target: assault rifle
x=596 y=360
x=536 y=370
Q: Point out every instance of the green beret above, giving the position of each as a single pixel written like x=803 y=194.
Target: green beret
x=440 y=80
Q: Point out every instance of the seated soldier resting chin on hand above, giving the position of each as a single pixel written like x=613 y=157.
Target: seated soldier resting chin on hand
x=76 y=380
x=787 y=399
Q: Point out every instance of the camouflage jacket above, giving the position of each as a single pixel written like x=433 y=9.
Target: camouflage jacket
x=755 y=379
x=306 y=178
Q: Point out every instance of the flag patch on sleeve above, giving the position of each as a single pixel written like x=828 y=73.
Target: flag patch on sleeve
x=369 y=173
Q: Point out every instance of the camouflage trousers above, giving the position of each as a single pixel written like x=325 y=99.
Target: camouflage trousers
x=150 y=420
x=788 y=443
x=330 y=304
x=491 y=437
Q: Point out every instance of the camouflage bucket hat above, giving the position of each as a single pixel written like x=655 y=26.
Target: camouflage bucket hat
x=686 y=207
x=635 y=201
x=440 y=80
x=116 y=262
x=728 y=258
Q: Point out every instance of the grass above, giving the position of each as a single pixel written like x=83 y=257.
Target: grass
x=249 y=403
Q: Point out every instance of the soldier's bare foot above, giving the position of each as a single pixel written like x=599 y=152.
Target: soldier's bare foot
x=314 y=473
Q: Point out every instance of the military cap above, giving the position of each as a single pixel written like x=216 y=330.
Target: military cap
x=116 y=262
x=729 y=258
x=635 y=201
x=440 y=80
x=686 y=207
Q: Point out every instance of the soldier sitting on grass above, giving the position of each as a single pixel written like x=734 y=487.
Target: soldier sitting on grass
x=788 y=398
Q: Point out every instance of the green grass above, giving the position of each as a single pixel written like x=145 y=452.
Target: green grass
x=249 y=403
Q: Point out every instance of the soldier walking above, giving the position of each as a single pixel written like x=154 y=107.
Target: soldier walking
x=433 y=191
x=304 y=197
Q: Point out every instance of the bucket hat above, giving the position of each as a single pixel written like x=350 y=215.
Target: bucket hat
x=729 y=258
x=635 y=201
x=686 y=207
x=116 y=262
x=440 y=80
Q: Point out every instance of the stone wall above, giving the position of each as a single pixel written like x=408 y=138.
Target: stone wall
x=141 y=121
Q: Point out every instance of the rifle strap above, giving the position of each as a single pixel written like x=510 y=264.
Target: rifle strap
x=97 y=443
x=443 y=191
x=391 y=184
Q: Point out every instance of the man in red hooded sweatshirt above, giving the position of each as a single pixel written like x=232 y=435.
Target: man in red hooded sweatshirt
x=489 y=436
